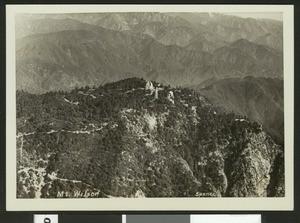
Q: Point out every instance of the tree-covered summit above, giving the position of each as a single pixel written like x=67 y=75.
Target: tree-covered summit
x=123 y=139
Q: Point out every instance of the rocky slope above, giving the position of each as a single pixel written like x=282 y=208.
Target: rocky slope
x=124 y=139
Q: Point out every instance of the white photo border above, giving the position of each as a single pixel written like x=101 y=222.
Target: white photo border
x=149 y=204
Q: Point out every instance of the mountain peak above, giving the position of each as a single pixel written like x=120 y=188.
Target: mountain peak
x=242 y=43
x=176 y=144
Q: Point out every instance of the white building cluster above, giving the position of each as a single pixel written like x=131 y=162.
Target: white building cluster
x=155 y=90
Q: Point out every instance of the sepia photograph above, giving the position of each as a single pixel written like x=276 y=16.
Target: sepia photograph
x=150 y=105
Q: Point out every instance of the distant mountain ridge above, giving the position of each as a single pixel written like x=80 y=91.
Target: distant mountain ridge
x=26 y=26
x=168 y=28
x=70 y=58
x=259 y=99
x=231 y=28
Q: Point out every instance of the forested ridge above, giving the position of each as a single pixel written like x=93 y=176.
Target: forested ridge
x=118 y=140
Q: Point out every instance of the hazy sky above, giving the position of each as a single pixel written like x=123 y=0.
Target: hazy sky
x=259 y=15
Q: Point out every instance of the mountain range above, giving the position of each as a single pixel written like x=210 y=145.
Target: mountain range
x=59 y=54
x=181 y=29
